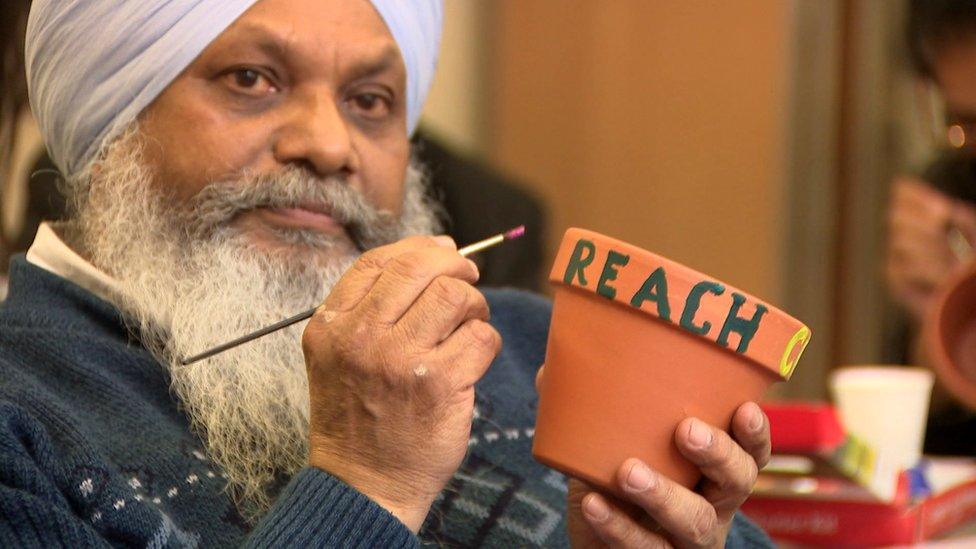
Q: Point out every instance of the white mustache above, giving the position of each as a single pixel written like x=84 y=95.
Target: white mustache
x=218 y=203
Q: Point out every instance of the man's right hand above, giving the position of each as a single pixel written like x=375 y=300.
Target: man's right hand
x=392 y=356
x=918 y=257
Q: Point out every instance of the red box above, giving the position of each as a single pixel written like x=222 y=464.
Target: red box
x=861 y=522
x=818 y=502
x=803 y=427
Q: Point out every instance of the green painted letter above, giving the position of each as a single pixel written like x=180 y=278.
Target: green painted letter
x=745 y=328
x=694 y=301
x=614 y=260
x=655 y=289
x=577 y=262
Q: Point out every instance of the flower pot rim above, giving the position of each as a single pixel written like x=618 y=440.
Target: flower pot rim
x=787 y=335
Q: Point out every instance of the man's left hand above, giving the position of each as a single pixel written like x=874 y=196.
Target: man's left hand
x=657 y=511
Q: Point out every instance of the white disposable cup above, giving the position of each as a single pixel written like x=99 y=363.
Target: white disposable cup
x=885 y=406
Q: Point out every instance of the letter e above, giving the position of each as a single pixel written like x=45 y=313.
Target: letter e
x=614 y=259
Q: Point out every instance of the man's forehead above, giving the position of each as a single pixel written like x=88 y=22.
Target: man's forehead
x=370 y=48
x=322 y=23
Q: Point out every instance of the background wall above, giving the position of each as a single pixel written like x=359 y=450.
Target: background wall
x=456 y=108
x=660 y=123
x=752 y=140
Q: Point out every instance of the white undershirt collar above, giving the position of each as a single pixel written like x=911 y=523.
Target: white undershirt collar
x=50 y=252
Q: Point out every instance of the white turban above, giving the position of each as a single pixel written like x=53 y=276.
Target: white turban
x=94 y=65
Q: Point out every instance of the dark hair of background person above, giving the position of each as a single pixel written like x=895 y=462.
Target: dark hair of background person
x=931 y=27
x=935 y=24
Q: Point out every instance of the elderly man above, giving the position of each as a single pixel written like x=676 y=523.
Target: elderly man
x=231 y=162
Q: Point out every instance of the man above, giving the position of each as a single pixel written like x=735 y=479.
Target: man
x=932 y=217
x=229 y=163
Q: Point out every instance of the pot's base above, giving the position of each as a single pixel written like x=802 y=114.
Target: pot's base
x=617 y=383
x=688 y=475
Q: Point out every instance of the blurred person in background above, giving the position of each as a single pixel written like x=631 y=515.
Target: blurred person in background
x=16 y=127
x=932 y=216
x=28 y=180
x=479 y=201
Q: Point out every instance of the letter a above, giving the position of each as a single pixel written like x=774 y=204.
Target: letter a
x=655 y=289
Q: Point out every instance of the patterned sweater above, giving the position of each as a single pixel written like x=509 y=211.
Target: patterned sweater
x=94 y=450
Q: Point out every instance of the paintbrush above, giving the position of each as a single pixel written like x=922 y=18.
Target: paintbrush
x=464 y=252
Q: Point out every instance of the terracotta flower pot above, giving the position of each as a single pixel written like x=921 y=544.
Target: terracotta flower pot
x=638 y=343
x=949 y=333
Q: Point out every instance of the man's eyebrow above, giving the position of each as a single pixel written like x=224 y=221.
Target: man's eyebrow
x=370 y=65
x=266 y=40
x=275 y=45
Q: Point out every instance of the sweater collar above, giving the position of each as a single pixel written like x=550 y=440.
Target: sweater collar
x=38 y=297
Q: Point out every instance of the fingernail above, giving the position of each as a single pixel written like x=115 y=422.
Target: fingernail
x=640 y=478
x=756 y=422
x=474 y=266
x=446 y=241
x=595 y=508
x=699 y=436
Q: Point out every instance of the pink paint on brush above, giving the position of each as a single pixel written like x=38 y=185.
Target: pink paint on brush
x=515 y=233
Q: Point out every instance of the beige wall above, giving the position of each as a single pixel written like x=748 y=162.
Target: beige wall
x=661 y=123
x=455 y=106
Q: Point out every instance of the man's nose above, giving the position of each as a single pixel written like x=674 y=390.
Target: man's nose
x=317 y=136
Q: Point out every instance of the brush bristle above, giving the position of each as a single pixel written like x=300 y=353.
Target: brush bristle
x=515 y=233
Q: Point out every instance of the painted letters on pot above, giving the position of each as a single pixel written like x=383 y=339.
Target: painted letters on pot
x=654 y=289
x=682 y=297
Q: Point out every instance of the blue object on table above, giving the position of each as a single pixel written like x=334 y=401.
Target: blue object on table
x=918 y=485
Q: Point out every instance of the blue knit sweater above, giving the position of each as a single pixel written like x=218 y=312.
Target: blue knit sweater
x=94 y=450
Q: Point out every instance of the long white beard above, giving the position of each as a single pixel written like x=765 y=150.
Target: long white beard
x=189 y=281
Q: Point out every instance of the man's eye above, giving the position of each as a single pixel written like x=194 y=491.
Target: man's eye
x=251 y=82
x=371 y=105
